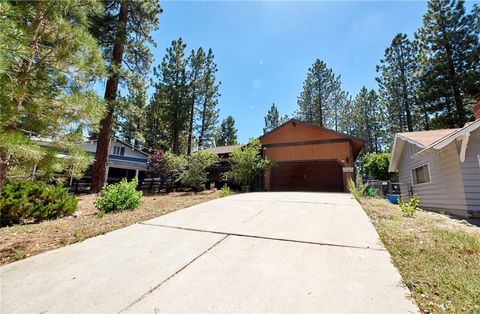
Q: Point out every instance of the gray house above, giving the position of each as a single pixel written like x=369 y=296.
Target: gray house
x=442 y=167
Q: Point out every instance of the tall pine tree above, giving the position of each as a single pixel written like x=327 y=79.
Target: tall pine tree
x=207 y=119
x=227 y=133
x=450 y=61
x=398 y=86
x=319 y=100
x=172 y=96
x=124 y=33
x=272 y=119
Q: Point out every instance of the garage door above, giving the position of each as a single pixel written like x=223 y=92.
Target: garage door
x=318 y=176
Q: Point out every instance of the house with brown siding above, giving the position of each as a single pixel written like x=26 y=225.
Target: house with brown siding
x=442 y=167
x=309 y=158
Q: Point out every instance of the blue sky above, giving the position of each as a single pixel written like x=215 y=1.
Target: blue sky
x=263 y=49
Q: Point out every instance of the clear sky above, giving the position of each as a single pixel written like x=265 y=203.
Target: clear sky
x=263 y=49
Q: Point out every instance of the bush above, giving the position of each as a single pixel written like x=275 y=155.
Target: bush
x=168 y=166
x=409 y=208
x=120 y=196
x=26 y=201
x=195 y=175
x=357 y=188
x=376 y=165
x=225 y=191
x=247 y=162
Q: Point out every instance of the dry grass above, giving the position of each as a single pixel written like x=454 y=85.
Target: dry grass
x=22 y=241
x=438 y=257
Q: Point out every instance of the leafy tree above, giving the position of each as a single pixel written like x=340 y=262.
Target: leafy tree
x=246 y=162
x=48 y=60
x=321 y=96
x=123 y=31
x=168 y=166
x=272 y=119
x=195 y=174
x=228 y=132
x=398 y=86
x=376 y=165
x=208 y=113
x=450 y=61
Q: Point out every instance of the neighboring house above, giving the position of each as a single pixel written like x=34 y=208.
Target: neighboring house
x=215 y=172
x=442 y=167
x=309 y=158
x=124 y=160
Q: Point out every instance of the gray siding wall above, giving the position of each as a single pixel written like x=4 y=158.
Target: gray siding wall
x=445 y=190
x=470 y=170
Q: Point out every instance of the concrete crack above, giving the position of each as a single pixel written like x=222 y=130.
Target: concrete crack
x=172 y=275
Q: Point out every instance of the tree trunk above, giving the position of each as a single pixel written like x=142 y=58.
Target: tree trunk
x=99 y=167
x=406 y=101
x=190 y=127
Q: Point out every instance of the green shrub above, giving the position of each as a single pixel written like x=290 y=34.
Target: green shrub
x=26 y=201
x=409 y=208
x=247 y=162
x=195 y=175
x=168 y=166
x=376 y=165
x=225 y=191
x=357 y=188
x=120 y=196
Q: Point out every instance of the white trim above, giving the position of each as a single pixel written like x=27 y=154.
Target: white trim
x=463 y=148
x=429 y=176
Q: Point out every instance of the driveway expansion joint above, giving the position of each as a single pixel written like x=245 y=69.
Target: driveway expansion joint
x=172 y=275
x=266 y=238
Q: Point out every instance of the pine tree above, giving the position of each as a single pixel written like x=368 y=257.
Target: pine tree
x=272 y=119
x=398 y=86
x=196 y=63
x=208 y=113
x=450 y=61
x=123 y=31
x=172 y=94
x=48 y=62
x=319 y=100
x=227 y=133
x=367 y=120
x=131 y=114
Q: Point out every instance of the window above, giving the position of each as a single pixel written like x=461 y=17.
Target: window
x=421 y=175
x=117 y=150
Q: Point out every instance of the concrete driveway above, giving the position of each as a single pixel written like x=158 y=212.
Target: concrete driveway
x=256 y=252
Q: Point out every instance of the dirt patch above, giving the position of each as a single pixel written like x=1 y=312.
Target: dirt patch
x=22 y=241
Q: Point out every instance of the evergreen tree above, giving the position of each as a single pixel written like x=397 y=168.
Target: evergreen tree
x=318 y=102
x=196 y=63
x=48 y=61
x=228 y=132
x=123 y=31
x=131 y=113
x=450 y=61
x=367 y=121
x=172 y=97
x=398 y=86
x=208 y=113
x=272 y=119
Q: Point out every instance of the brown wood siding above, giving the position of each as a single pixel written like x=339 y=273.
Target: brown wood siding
x=290 y=133
x=340 y=151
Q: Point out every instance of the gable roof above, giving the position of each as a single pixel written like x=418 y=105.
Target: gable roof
x=221 y=149
x=430 y=140
x=357 y=143
x=115 y=139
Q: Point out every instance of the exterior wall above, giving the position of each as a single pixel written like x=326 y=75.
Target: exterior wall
x=445 y=190
x=293 y=142
x=91 y=147
x=340 y=151
x=470 y=170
